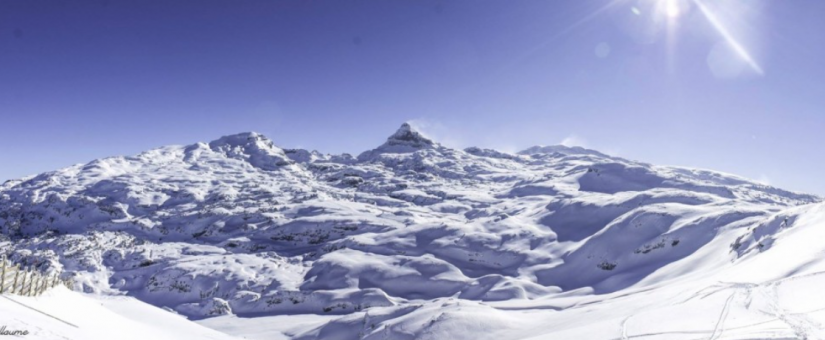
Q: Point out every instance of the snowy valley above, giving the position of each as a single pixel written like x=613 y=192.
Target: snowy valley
x=416 y=240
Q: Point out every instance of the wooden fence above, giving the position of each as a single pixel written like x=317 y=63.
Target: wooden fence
x=27 y=282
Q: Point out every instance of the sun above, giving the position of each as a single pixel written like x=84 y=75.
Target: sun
x=671 y=9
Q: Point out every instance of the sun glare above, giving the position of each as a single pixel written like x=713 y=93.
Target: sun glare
x=672 y=9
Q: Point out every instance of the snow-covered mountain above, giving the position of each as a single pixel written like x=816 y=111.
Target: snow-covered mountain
x=412 y=239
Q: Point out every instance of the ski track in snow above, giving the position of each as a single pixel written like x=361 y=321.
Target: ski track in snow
x=717 y=331
x=624 y=327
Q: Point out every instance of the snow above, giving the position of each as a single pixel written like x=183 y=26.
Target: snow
x=62 y=314
x=279 y=327
x=415 y=240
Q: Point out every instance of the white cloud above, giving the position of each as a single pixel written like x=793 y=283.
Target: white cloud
x=764 y=179
x=574 y=140
x=438 y=132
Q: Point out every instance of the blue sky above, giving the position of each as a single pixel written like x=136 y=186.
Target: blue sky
x=737 y=87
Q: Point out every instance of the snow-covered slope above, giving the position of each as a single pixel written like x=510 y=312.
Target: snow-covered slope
x=411 y=239
x=62 y=314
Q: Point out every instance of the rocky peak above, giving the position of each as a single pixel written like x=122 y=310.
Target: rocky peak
x=405 y=140
x=409 y=136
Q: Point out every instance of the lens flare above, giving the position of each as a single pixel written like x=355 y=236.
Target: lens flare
x=725 y=33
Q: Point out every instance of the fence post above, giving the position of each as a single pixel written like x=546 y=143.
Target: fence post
x=35 y=282
x=28 y=291
x=3 y=275
x=16 y=274
x=32 y=277
x=37 y=287
x=23 y=285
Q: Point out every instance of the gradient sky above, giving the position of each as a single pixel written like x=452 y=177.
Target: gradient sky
x=81 y=80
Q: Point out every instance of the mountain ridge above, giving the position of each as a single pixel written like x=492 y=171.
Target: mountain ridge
x=241 y=226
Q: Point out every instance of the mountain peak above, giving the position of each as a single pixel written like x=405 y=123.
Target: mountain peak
x=260 y=151
x=240 y=139
x=405 y=140
x=407 y=135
